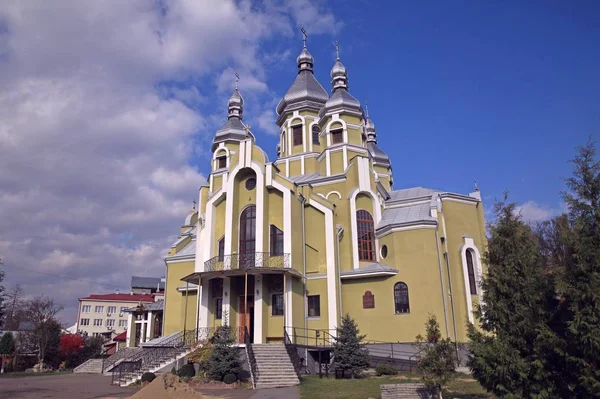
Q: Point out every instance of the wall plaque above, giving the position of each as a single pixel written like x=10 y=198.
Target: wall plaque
x=368 y=300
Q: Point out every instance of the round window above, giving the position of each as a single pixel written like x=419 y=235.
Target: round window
x=250 y=183
x=384 y=251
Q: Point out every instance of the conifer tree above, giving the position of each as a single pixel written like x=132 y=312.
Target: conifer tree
x=580 y=293
x=438 y=359
x=349 y=353
x=509 y=356
x=223 y=358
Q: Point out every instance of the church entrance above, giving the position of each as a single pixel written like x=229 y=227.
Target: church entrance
x=246 y=317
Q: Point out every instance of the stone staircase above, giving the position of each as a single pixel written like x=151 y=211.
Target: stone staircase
x=150 y=359
x=407 y=391
x=91 y=366
x=273 y=365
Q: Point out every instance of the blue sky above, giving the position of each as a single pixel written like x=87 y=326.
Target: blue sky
x=108 y=110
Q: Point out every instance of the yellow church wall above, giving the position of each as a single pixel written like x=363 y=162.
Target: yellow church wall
x=318 y=287
x=174 y=300
x=337 y=162
x=415 y=257
x=204 y=192
x=297 y=253
x=310 y=163
x=355 y=136
x=365 y=202
x=461 y=220
x=297 y=303
x=315 y=241
x=295 y=167
x=274 y=213
x=220 y=210
x=274 y=323
x=217 y=182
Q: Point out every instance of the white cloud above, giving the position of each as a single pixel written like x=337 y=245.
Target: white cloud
x=100 y=120
x=531 y=211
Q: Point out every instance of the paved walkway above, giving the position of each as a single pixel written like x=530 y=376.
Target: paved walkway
x=63 y=386
x=95 y=386
x=274 y=393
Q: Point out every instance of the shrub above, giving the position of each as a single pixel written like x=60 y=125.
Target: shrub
x=201 y=356
x=229 y=378
x=9 y=368
x=187 y=371
x=148 y=377
x=223 y=358
x=385 y=369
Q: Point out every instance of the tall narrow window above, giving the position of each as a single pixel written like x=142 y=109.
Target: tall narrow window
x=316 y=130
x=219 y=308
x=471 y=270
x=276 y=241
x=314 y=305
x=401 y=303
x=221 y=162
x=277 y=305
x=297 y=134
x=221 y=253
x=366 y=235
x=247 y=247
x=337 y=136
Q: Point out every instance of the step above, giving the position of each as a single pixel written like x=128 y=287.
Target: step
x=274 y=385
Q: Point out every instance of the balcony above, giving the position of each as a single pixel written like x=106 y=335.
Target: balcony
x=247 y=261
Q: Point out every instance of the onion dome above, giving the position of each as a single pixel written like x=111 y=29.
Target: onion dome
x=306 y=92
x=234 y=129
x=379 y=156
x=341 y=100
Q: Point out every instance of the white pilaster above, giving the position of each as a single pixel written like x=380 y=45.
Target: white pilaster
x=258 y=309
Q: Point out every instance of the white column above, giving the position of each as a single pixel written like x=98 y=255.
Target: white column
x=258 y=308
x=129 y=320
x=226 y=300
x=149 y=327
x=203 y=314
x=288 y=304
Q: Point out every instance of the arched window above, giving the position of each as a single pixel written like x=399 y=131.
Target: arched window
x=316 y=130
x=471 y=271
x=401 y=304
x=366 y=235
x=247 y=237
x=297 y=134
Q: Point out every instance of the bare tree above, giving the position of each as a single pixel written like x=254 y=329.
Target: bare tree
x=41 y=312
x=14 y=304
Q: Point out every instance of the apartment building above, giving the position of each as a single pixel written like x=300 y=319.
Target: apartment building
x=106 y=314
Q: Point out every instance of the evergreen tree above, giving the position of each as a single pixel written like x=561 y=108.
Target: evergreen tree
x=7 y=344
x=438 y=359
x=510 y=356
x=223 y=358
x=349 y=353
x=580 y=293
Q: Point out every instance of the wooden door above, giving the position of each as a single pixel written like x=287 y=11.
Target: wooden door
x=246 y=317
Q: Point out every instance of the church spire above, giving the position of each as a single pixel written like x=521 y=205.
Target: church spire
x=235 y=105
x=305 y=60
x=339 y=75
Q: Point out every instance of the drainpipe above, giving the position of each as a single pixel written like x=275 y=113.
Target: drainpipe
x=437 y=241
x=451 y=293
x=302 y=200
x=340 y=233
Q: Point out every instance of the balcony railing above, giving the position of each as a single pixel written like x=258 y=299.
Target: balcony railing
x=246 y=261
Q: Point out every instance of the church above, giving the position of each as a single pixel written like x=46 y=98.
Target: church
x=288 y=246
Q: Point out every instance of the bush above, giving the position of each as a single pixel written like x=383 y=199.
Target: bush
x=385 y=369
x=187 y=371
x=9 y=368
x=148 y=377
x=223 y=358
x=201 y=356
x=229 y=378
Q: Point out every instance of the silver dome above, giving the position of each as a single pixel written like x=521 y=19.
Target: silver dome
x=338 y=69
x=305 y=60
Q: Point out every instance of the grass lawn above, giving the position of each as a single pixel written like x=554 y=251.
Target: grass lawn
x=330 y=388
x=19 y=374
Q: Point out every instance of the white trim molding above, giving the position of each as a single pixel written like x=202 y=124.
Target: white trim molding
x=469 y=245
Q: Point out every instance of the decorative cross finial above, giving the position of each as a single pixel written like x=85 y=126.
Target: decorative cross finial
x=247 y=129
x=476 y=186
x=367 y=108
x=337 y=49
x=194 y=206
x=304 y=36
x=237 y=79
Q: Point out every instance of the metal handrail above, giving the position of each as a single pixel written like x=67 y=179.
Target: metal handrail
x=244 y=261
x=251 y=357
x=292 y=353
x=312 y=337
